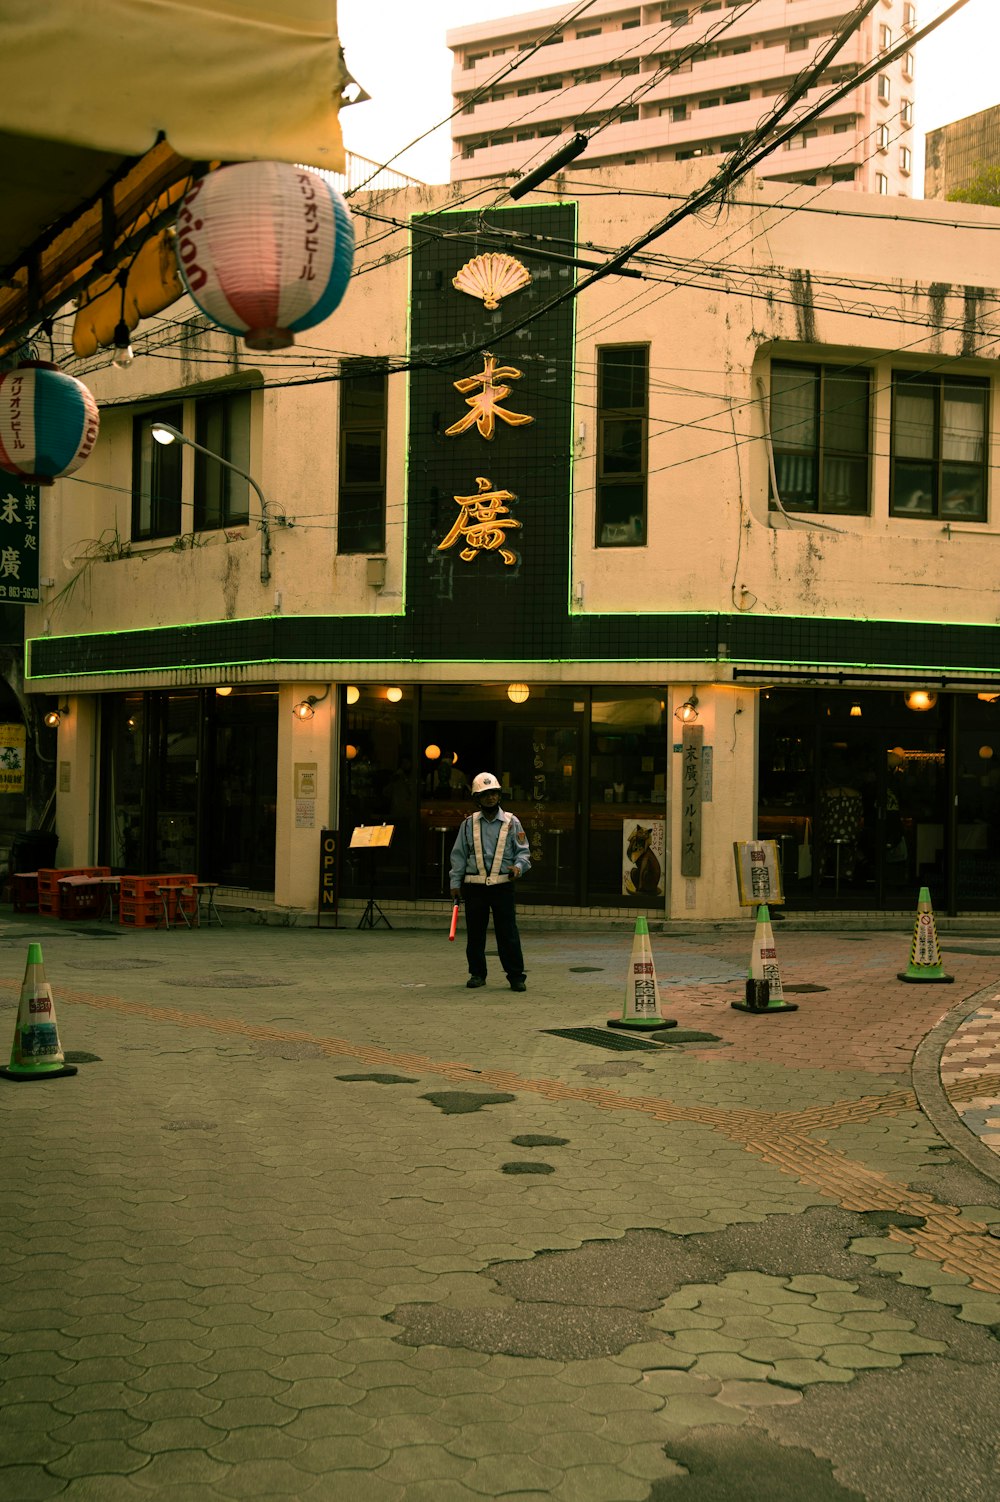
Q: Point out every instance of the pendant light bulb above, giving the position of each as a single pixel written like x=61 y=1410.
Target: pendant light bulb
x=123 y=355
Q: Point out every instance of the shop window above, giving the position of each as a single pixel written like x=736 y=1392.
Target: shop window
x=221 y=497
x=939 y=426
x=820 y=436
x=361 y=504
x=156 y=476
x=627 y=796
x=622 y=410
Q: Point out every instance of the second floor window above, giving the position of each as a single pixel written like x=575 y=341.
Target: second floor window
x=622 y=401
x=820 y=437
x=221 y=497
x=939 y=427
x=361 y=509
x=156 y=476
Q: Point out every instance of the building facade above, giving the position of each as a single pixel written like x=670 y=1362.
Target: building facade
x=669 y=82
x=959 y=152
x=683 y=559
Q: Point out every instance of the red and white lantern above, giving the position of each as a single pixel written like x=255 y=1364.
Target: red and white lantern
x=265 y=250
x=48 y=422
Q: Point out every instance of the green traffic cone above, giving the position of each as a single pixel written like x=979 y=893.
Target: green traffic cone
x=37 y=1053
x=925 y=952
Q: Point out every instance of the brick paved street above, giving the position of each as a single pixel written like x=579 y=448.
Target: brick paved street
x=283 y=1233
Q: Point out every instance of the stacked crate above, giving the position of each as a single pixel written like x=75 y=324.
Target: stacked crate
x=51 y=899
x=141 y=906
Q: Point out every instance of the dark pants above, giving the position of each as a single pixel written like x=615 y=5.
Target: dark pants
x=480 y=902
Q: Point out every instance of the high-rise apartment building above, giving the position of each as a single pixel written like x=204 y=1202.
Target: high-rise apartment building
x=668 y=82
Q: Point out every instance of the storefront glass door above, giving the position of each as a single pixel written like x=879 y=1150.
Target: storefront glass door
x=853 y=788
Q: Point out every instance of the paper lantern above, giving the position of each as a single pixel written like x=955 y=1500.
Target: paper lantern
x=265 y=250
x=48 y=422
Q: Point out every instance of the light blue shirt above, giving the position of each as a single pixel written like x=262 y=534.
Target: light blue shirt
x=463 y=854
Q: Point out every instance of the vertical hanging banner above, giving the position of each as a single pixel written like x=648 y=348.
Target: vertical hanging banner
x=692 y=774
x=18 y=542
x=490 y=430
x=12 y=742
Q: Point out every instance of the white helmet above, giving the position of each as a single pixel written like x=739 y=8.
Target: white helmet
x=484 y=782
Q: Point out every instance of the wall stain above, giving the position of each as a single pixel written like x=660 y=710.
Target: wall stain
x=805 y=310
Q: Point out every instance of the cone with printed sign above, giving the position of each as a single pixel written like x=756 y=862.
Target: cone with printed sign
x=925 y=952
x=641 y=1009
x=36 y=1054
x=764 y=992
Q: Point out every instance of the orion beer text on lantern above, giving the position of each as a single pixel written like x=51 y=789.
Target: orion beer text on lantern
x=311 y=244
x=196 y=275
x=15 y=414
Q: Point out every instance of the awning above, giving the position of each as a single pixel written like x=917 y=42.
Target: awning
x=105 y=106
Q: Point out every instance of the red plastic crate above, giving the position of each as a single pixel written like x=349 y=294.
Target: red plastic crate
x=52 y=897
x=147 y=911
x=24 y=894
x=82 y=902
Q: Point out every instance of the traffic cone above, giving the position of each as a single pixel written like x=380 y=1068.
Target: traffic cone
x=764 y=993
x=925 y=952
x=641 y=1008
x=36 y=1054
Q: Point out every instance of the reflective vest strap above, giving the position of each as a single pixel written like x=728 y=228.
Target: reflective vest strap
x=477 y=845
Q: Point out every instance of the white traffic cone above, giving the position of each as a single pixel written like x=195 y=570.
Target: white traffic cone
x=641 y=1008
x=764 y=967
x=37 y=1053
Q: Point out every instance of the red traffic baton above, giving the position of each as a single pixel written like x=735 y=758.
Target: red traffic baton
x=454 y=923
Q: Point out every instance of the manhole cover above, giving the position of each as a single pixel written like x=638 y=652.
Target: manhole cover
x=601 y=1039
x=232 y=979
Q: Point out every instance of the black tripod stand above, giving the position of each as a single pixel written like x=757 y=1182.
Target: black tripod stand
x=368 y=918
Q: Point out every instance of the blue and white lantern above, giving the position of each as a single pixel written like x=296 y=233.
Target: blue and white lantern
x=265 y=249
x=48 y=422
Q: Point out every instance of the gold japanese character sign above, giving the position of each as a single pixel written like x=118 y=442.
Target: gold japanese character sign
x=484 y=518
x=485 y=405
x=483 y=522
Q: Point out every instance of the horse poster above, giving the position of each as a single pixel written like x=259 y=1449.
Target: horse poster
x=642 y=858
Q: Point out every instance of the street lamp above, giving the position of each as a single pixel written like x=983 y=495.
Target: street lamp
x=165 y=432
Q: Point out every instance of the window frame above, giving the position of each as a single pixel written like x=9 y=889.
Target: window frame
x=358 y=491
x=163 y=511
x=608 y=481
x=823 y=452
x=941 y=384
x=216 y=482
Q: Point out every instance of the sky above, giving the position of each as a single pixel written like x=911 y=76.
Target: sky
x=396 y=49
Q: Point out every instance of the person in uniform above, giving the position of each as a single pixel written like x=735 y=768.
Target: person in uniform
x=489 y=855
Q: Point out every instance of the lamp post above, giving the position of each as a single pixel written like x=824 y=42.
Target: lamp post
x=165 y=432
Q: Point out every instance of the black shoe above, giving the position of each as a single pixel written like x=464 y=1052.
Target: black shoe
x=474 y=981
x=518 y=985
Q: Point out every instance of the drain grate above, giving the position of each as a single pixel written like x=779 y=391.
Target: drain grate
x=602 y=1039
